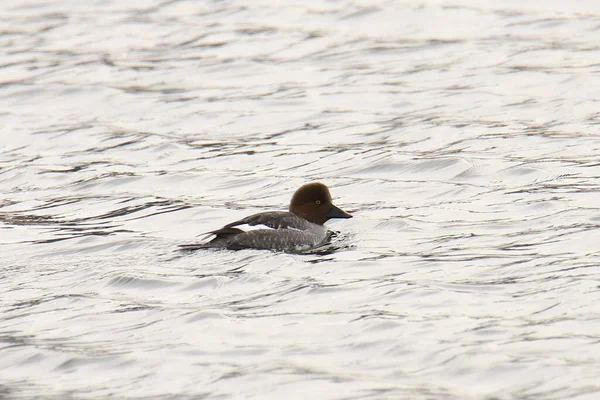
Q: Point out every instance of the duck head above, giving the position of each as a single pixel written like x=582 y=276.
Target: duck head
x=313 y=203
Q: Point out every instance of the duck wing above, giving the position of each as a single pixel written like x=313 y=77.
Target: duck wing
x=272 y=219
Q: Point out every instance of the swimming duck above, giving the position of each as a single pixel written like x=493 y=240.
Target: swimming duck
x=299 y=229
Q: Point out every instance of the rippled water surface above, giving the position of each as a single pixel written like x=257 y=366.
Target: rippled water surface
x=463 y=136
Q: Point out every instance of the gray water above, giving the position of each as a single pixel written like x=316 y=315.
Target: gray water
x=463 y=136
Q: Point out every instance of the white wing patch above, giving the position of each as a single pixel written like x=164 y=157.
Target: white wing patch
x=248 y=228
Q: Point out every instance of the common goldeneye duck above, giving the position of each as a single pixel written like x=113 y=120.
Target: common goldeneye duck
x=299 y=229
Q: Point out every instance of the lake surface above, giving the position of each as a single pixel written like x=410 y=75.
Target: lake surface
x=464 y=137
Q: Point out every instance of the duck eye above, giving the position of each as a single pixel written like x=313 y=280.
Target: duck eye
x=318 y=202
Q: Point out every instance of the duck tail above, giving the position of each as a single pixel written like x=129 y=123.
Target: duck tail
x=221 y=239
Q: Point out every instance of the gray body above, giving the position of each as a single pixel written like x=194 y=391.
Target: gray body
x=284 y=231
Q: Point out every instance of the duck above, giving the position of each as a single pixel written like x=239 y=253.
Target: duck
x=297 y=230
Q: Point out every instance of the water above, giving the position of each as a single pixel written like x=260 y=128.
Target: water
x=462 y=135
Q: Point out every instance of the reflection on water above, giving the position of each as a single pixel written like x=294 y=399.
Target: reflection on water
x=462 y=136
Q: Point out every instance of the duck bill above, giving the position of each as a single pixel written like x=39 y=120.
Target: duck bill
x=335 y=212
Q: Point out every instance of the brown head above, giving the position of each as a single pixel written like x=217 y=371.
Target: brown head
x=313 y=202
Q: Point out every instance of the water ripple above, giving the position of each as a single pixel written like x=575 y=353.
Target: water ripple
x=462 y=137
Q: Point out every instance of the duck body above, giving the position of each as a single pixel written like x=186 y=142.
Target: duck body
x=285 y=232
x=297 y=230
